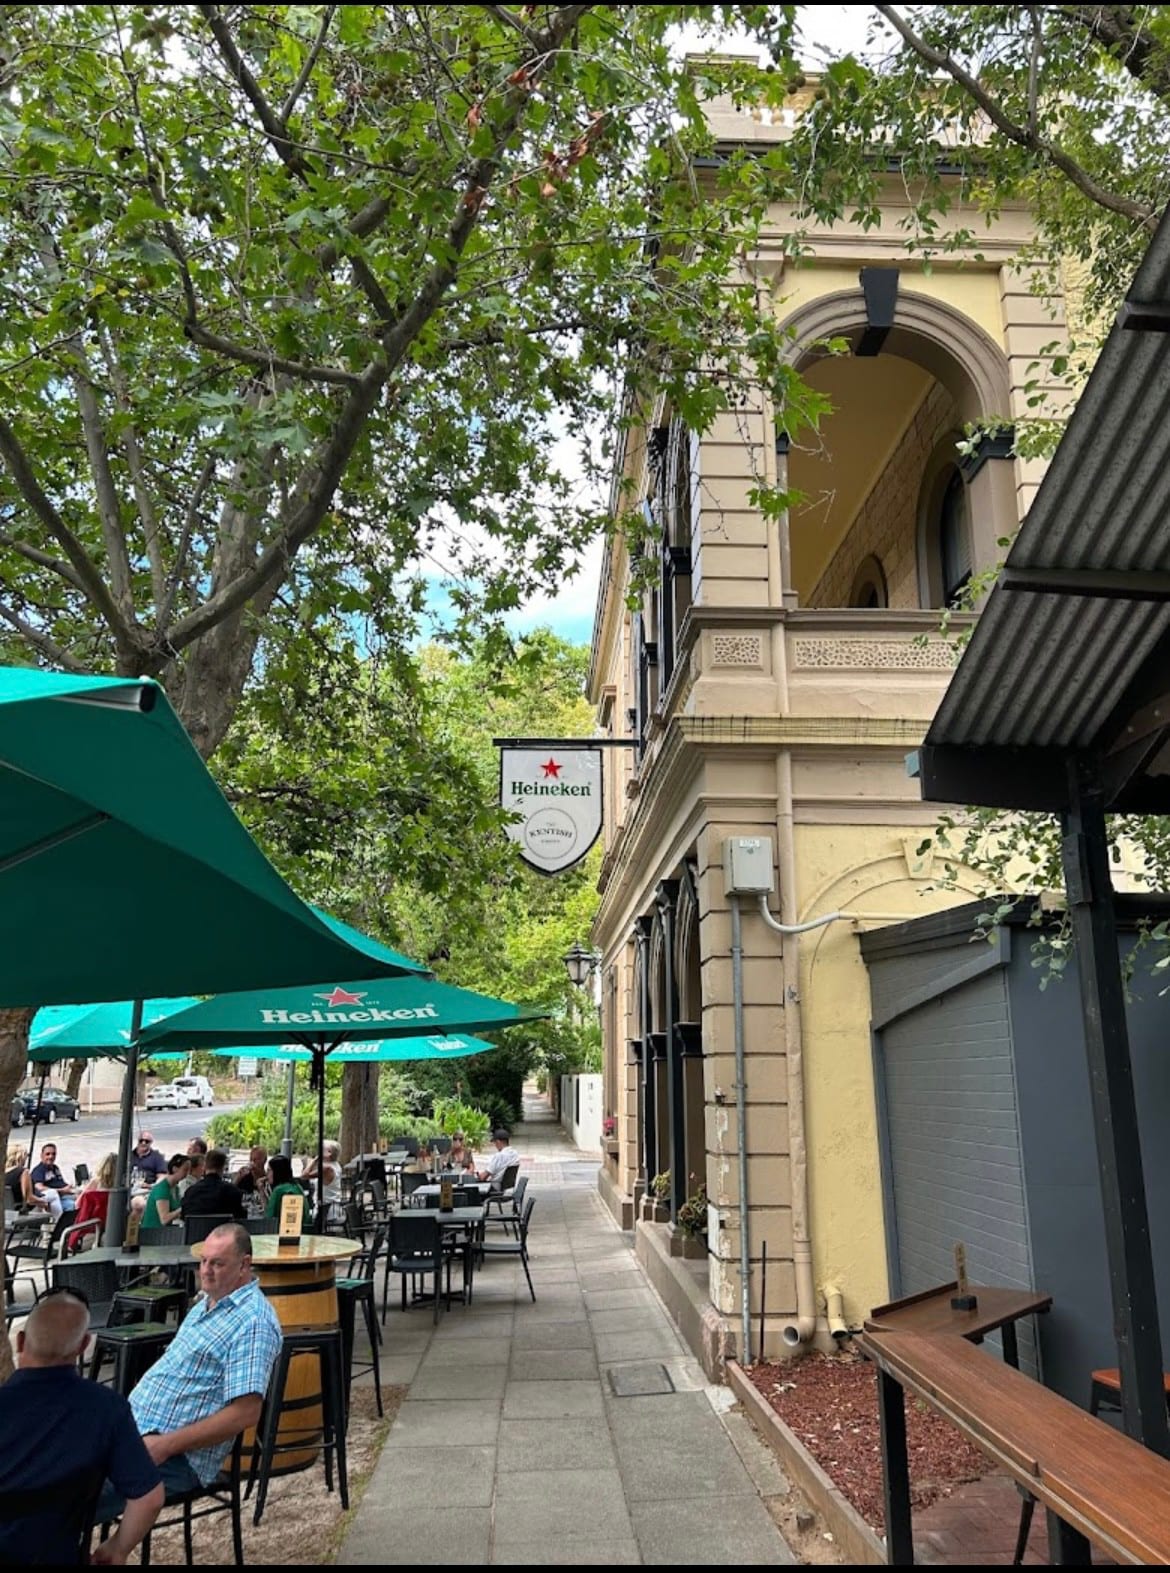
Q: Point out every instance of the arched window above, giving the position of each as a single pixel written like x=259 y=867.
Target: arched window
x=869 y=586
x=954 y=540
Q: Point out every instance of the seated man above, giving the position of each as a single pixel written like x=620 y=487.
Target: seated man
x=57 y=1427
x=213 y=1193
x=504 y=1157
x=48 y=1183
x=210 y=1383
x=252 y=1179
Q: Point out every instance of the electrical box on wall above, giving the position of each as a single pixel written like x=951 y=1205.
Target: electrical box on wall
x=747 y=866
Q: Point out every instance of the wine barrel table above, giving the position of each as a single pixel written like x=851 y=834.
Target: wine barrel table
x=300 y=1283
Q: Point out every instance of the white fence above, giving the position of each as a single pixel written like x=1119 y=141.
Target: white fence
x=581 y=1110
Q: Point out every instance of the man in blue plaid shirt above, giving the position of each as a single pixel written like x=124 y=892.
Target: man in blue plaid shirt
x=210 y=1384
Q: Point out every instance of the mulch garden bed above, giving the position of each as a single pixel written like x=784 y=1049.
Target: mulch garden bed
x=830 y=1403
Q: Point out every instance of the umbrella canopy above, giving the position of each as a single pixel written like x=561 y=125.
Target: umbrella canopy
x=321 y=1018
x=450 y=1048
x=122 y=868
x=84 y=1032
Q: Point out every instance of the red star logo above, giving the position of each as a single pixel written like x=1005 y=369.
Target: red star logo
x=552 y=769
x=340 y=996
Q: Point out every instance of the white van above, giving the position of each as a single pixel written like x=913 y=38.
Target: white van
x=197 y=1088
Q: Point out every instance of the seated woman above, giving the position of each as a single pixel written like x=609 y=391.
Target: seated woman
x=461 y=1155
x=162 y=1205
x=282 y=1184
x=18 y=1183
x=94 y=1201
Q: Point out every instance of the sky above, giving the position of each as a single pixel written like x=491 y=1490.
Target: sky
x=825 y=29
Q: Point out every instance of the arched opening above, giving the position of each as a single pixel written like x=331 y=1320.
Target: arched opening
x=689 y=1032
x=856 y=539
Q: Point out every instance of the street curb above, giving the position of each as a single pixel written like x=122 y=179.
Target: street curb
x=860 y=1545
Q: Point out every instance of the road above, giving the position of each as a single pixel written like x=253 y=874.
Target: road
x=90 y=1138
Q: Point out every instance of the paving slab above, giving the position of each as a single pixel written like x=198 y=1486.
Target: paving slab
x=467 y=1352
x=552 y=1365
x=554 y=1444
x=545 y=1506
x=457 y=1381
x=429 y=1477
x=590 y=1552
x=427 y=1423
x=543 y=1400
x=385 y=1536
x=649 y=1344
x=721 y=1534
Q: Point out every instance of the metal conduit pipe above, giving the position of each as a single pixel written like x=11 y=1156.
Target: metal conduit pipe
x=835 y=1312
x=741 y=1132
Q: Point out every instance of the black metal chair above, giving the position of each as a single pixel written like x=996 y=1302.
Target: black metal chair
x=441 y=1144
x=409 y=1183
x=165 y=1234
x=500 y=1196
x=416 y=1250
x=31 y=1246
x=70 y=1503
x=517 y=1247
x=357 y=1288
x=198 y=1228
x=256 y=1226
x=325 y=1343
x=221 y=1496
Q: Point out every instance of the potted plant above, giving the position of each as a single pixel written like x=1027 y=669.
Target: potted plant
x=692 y=1223
x=609 y=1135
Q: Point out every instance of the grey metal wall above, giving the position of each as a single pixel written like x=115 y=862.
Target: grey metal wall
x=986 y=1126
x=953 y=1169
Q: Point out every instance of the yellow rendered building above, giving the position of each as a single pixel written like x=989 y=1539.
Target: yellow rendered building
x=774 y=678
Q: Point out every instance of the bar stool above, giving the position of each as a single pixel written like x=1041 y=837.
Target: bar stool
x=133 y=1349
x=352 y=1292
x=154 y=1302
x=1106 y=1390
x=326 y=1344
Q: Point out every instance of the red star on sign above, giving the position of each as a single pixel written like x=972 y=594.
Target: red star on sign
x=340 y=996
x=551 y=769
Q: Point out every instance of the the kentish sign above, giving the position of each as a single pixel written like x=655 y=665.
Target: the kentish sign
x=557 y=792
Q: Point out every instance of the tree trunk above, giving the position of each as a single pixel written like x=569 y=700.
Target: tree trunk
x=14 y=1025
x=359 y=1109
x=77 y=1070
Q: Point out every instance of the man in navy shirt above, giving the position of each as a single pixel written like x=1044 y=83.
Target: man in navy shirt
x=58 y=1427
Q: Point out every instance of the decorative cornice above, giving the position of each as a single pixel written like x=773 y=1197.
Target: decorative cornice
x=800 y=731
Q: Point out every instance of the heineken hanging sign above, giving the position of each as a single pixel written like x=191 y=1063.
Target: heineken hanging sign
x=557 y=794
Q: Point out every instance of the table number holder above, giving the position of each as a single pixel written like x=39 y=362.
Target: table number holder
x=292 y=1212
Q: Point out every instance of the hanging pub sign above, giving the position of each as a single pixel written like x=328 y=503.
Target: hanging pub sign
x=557 y=792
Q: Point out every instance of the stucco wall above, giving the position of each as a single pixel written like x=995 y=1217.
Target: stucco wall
x=864 y=869
x=887 y=523
x=581 y=1110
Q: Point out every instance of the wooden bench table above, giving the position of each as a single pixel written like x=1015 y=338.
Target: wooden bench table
x=1103 y=1487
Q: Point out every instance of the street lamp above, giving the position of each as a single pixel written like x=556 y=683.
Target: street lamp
x=579 y=963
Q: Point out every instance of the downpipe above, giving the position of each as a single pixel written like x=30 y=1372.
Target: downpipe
x=741 y=1132
x=835 y=1313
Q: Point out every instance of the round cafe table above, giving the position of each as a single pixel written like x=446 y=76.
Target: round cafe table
x=300 y=1281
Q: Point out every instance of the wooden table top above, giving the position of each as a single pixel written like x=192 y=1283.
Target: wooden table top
x=1102 y=1483
x=146 y=1257
x=932 y=1312
x=267 y=1250
x=448 y=1220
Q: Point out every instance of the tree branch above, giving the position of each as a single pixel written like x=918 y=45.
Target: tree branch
x=49 y=648
x=33 y=554
x=266 y=360
x=306 y=71
x=274 y=127
x=190 y=520
x=1120 y=30
x=92 y=583
x=1020 y=135
x=512 y=19
x=109 y=508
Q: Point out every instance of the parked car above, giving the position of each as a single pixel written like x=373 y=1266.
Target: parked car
x=197 y=1088
x=166 y=1095
x=17 y=1116
x=55 y=1105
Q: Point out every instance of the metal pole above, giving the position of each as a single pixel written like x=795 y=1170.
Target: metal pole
x=1085 y=852
x=286 y=1144
x=763 y=1291
x=745 y=1258
x=115 y=1232
x=319 y=1062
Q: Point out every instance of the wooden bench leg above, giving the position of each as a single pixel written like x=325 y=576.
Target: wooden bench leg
x=895 y=1472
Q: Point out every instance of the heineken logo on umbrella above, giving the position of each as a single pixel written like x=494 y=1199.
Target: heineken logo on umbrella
x=340 y=996
x=334 y=1017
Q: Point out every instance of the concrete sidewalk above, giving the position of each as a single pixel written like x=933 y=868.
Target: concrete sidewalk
x=513 y=1445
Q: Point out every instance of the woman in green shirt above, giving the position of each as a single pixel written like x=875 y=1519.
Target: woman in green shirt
x=280 y=1177
x=162 y=1205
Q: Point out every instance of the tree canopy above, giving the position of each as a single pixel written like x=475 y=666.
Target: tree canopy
x=297 y=298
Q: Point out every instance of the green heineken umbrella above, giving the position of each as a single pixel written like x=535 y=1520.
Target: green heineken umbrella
x=320 y=1020
x=123 y=870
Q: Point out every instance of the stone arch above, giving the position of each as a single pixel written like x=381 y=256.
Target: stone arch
x=963 y=359
x=934 y=335
x=869 y=585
